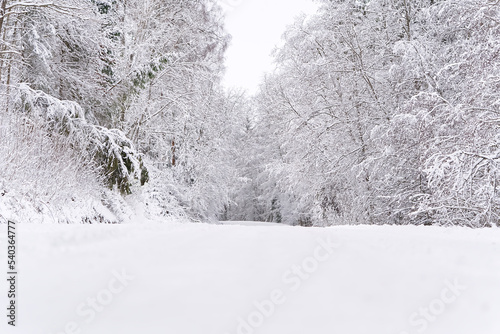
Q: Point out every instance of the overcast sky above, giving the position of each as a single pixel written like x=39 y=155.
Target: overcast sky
x=256 y=27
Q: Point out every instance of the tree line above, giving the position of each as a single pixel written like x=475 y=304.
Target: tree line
x=381 y=111
x=378 y=111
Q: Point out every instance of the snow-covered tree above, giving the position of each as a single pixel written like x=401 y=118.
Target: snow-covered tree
x=113 y=76
x=385 y=111
x=447 y=128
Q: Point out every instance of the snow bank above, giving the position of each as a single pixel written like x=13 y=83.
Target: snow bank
x=216 y=279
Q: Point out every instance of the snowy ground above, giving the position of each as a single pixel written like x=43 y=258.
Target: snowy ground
x=218 y=279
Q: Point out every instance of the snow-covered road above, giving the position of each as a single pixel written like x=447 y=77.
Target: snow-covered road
x=220 y=279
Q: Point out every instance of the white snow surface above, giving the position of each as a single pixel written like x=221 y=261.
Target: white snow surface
x=243 y=223
x=208 y=279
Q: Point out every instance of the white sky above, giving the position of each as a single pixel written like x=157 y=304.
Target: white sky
x=256 y=27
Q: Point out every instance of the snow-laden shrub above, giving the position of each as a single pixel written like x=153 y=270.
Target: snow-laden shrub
x=110 y=149
x=43 y=179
